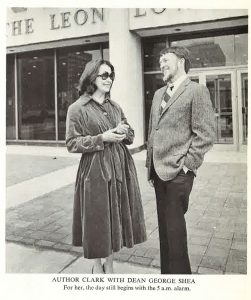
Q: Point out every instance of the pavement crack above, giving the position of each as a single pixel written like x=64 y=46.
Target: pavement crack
x=70 y=263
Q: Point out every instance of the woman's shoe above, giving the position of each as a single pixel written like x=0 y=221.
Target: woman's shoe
x=103 y=268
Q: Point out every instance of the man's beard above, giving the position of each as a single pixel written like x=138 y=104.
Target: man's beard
x=167 y=78
x=170 y=74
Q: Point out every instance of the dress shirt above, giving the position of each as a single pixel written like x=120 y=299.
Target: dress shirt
x=173 y=86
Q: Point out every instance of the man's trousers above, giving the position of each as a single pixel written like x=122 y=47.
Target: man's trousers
x=172 y=203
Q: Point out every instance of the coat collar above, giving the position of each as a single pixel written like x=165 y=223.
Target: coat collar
x=86 y=98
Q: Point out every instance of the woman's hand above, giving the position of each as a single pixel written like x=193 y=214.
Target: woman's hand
x=111 y=136
x=122 y=128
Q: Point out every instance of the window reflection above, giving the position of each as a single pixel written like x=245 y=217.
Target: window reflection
x=106 y=54
x=216 y=51
x=241 y=49
x=10 y=98
x=205 y=52
x=36 y=96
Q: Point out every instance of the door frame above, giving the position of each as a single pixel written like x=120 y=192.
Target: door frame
x=242 y=146
x=202 y=73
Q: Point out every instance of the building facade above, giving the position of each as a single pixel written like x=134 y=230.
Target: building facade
x=48 y=48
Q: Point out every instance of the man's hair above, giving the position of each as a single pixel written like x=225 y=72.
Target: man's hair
x=180 y=52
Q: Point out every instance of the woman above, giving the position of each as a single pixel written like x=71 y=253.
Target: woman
x=108 y=211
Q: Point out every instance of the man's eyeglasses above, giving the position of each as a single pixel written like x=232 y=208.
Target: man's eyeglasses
x=105 y=75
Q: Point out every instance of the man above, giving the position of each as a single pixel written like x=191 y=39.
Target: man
x=181 y=131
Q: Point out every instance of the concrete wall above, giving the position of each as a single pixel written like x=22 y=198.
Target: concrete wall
x=36 y=25
x=156 y=17
x=125 y=55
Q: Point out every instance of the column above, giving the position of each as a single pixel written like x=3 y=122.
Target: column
x=126 y=56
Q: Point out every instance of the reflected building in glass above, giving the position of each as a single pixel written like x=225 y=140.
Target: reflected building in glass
x=48 y=48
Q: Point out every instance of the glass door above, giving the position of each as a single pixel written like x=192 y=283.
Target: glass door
x=220 y=89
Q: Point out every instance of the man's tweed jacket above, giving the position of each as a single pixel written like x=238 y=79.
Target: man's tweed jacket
x=182 y=133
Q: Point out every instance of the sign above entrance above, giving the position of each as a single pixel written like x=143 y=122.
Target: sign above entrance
x=36 y=25
x=142 y=18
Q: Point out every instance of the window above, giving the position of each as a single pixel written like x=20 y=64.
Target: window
x=10 y=98
x=151 y=54
x=153 y=82
x=36 y=89
x=36 y=95
x=241 y=49
x=224 y=50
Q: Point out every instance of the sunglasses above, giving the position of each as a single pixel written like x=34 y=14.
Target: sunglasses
x=105 y=75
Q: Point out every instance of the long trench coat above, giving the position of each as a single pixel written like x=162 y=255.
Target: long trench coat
x=107 y=213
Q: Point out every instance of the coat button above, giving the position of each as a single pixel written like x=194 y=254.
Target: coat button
x=105 y=113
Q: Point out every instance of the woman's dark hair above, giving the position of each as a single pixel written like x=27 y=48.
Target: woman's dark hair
x=180 y=52
x=90 y=73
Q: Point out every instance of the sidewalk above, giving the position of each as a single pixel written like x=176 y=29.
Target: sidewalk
x=30 y=259
x=40 y=184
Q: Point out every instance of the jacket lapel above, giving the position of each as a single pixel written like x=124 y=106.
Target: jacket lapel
x=176 y=95
x=159 y=99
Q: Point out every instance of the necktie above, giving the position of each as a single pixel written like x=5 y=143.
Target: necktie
x=165 y=98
